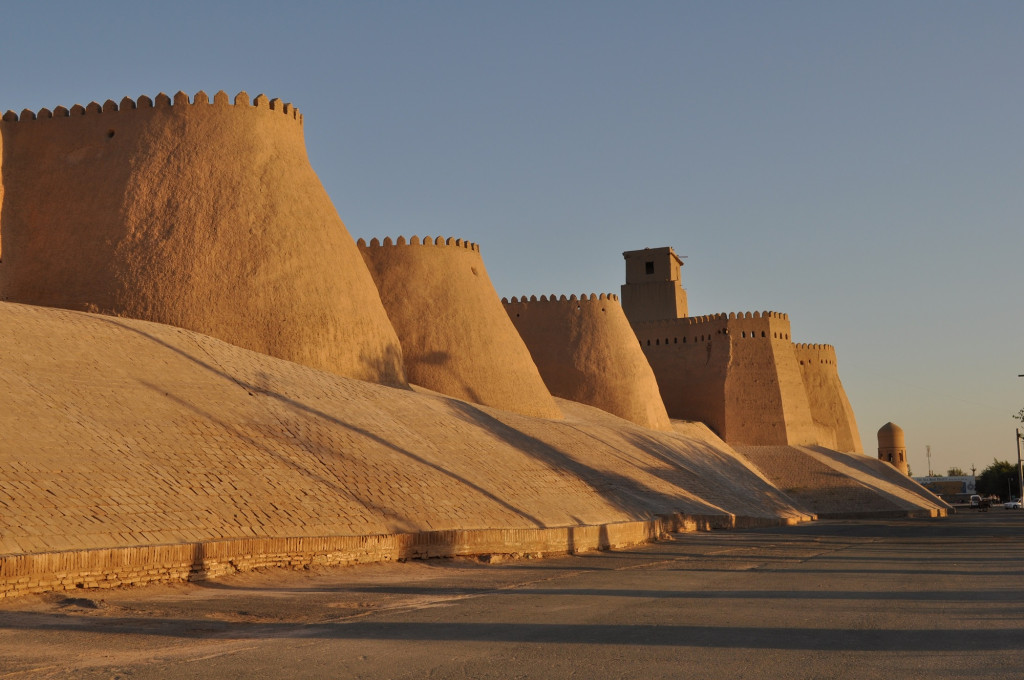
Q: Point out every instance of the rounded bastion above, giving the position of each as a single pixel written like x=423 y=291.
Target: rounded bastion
x=456 y=338
x=204 y=215
x=587 y=352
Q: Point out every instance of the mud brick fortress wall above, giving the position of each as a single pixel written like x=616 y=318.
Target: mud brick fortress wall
x=266 y=417
x=739 y=373
x=587 y=352
x=204 y=215
x=455 y=335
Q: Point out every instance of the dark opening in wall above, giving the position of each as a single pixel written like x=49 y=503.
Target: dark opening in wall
x=648 y=267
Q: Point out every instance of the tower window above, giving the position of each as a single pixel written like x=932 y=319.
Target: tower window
x=648 y=267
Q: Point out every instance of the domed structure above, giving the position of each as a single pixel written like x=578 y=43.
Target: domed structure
x=892 y=448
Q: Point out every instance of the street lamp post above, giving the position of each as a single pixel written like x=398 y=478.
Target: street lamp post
x=1020 y=468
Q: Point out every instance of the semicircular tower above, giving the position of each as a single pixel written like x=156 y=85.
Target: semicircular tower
x=892 y=447
x=204 y=215
x=456 y=338
x=586 y=351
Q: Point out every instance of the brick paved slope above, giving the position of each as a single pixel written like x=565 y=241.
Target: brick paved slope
x=118 y=432
x=122 y=434
x=833 y=484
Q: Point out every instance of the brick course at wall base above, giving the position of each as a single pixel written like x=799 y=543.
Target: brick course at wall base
x=142 y=565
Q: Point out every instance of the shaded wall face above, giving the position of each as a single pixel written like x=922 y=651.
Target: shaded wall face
x=830 y=407
x=691 y=366
x=455 y=334
x=204 y=216
x=587 y=352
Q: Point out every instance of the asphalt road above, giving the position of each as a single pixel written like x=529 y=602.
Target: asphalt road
x=905 y=598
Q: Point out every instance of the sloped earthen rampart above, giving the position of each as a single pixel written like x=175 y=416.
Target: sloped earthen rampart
x=837 y=485
x=455 y=335
x=200 y=214
x=134 y=452
x=587 y=352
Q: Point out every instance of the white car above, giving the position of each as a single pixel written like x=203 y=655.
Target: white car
x=1012 y=504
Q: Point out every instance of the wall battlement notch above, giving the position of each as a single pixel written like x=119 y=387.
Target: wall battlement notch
x=161 y=101
x=561 y=299
x=417 y=241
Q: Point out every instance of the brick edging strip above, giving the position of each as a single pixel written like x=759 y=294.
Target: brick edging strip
x=129 y=566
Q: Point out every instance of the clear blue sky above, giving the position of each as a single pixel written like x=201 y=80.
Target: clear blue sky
x=858 y=165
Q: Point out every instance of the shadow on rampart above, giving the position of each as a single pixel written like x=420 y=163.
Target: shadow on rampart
x=798 y=472
x=302 y=470
x=754 y=490
x=624 y=493
x=308 y=446
x=869 y=467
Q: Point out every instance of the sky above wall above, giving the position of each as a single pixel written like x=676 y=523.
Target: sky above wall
x=859 y=166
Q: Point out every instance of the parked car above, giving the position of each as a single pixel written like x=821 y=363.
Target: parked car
x=1012 y=504
x=975 y=501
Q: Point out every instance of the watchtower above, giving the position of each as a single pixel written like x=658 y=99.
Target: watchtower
x=892 y=448
x=652 y=291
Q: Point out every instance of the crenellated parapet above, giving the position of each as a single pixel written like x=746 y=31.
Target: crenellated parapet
x=144 y=103
x=417 y=241
x=562 y=299
x=823 y=354
x=803 y=345
x=695 y=330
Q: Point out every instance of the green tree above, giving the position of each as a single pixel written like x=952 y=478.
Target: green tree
x=997 y=478
x=955 y=472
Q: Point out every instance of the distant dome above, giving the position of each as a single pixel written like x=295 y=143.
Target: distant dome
x=890 y=435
